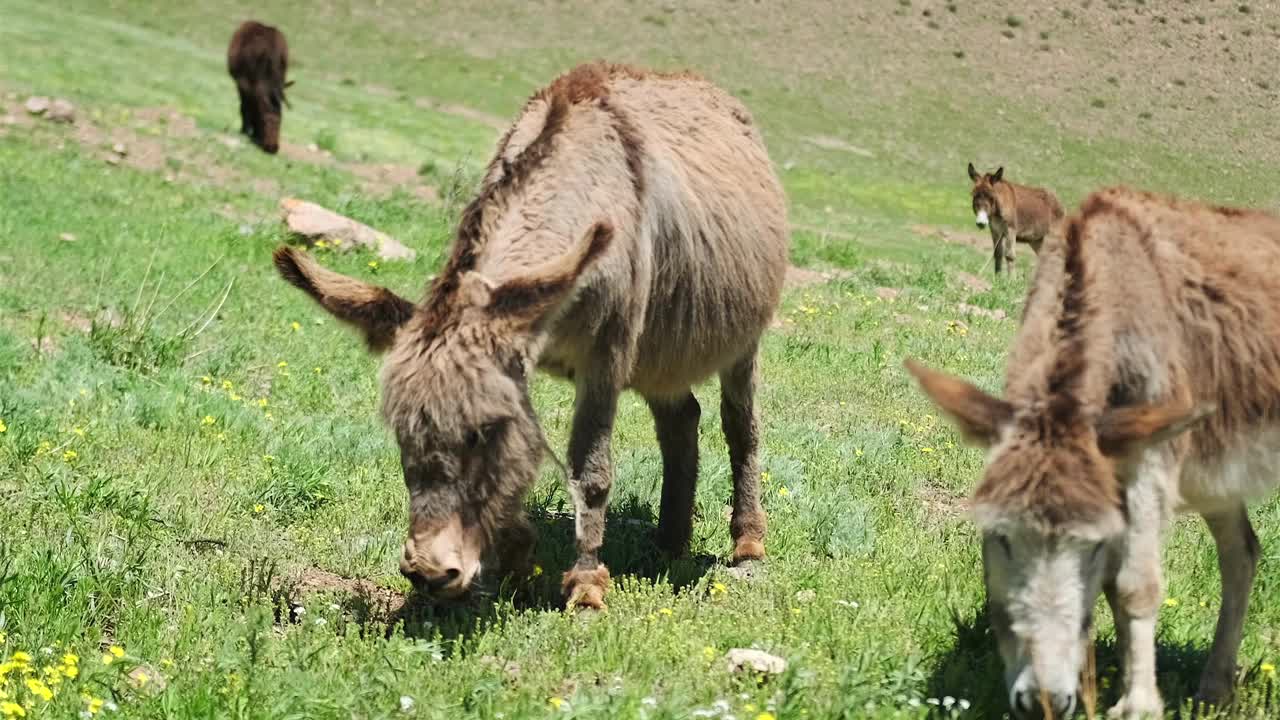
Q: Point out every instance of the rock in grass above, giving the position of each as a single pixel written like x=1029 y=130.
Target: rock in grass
x=57 y=110
x=744 y=659
x=312 y=222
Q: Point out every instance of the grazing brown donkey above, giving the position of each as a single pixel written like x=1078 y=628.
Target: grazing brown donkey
x=1151 y=317
x=629 y=233
x=1015 y=213
x=257 y=59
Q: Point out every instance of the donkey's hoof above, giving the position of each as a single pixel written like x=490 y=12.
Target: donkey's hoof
x=586 y=588
x=746 y=550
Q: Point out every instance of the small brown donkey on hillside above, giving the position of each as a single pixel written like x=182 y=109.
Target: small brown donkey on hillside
x=630 y=232
x=257 y=59
x=1015 y=213
x=1144 y=382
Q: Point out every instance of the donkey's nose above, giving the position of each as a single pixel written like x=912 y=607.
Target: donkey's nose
x=447 y=582
x=1027 y=705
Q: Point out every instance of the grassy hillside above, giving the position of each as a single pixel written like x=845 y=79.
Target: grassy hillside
x=189 y=450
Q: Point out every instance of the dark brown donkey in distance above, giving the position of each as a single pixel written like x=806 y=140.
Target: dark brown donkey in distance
x=1144 y=382
x=1015 y=213
x=630 y=232
x=257 y=59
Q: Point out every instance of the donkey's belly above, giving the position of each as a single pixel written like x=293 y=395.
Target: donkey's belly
x=1249 y=471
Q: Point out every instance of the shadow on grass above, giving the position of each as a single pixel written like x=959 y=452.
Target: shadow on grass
x=629 y=550
x=971 y=668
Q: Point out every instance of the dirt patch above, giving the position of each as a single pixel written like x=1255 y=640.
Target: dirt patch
x=306 y=153
x=384 y=178
x=973 y=282
x=826 y=142
x=462 y=111
x=378 y=601
x=798 y=277
x=971 y=239
x=941 y=504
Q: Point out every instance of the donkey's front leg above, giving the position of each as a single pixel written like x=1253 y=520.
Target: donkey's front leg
x=1137 y=590
x=591 y=477
x=1238 y=552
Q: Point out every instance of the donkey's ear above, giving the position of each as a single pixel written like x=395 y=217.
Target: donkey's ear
x=973 y=174
x=527 y=298
x=375 y=311
x=1124 y=431
x=998 y=175
x=979 y=416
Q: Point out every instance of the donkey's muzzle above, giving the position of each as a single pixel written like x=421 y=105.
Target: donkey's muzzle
x=1028 y=705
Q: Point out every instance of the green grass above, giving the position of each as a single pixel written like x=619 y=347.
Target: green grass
x=172 y=462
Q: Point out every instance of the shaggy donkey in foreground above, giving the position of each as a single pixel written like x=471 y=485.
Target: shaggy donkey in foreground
x=1015 y=213
x=258 y=58
x=1151 y=317
x=629 y=233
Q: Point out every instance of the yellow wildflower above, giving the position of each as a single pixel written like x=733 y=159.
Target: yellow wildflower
x=765 y=476
x=795 y=611
x=537 y=570
x=282 y=364
x=337 y=242
x=322 y=244
x=857 y=452
x=12 y=709
x=166 y=662
x=39 y=689
x=709 y=653
x=116 y=650
x=315 y=370
x=226 y=385
x=262 y=402
x=206 y=380
x=297 y=326
x=78 y=431
x=257 y=509
x=373 y=264
x=94 y=705
x=2 y=637
x=21 y=658
x=1171 y=602
x=765 y=716
x=665 y=611
x=3 y=427
x=107 y=659
x=749 y=707
x=70 y=659
x=783 y=491
x=555 y=702
x=208 y=420
x=69 y=455
x=926 y=449
x=1267 y=668
x=718 y=588
x=233 y=397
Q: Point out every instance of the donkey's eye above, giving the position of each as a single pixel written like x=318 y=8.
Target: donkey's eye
x=473 y=439
x=1097 y=550
x=1003 y=541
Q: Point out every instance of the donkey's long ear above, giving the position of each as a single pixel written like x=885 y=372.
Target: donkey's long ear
x=998 y=175
x=973 y=174
x=527 y=298
x=1125 y=431
x=375 y=311
x=978 y=415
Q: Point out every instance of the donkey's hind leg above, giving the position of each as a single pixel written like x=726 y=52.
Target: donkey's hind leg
x=742 y=434
x=677 y=424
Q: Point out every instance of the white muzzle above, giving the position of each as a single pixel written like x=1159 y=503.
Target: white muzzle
x=982 y=218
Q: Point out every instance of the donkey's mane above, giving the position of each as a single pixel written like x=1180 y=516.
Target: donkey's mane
x=505 y=177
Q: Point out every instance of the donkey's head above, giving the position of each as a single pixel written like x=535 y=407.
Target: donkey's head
x=1051 y=510
x=455 y=391
x=986 y=207
x=270 y=99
